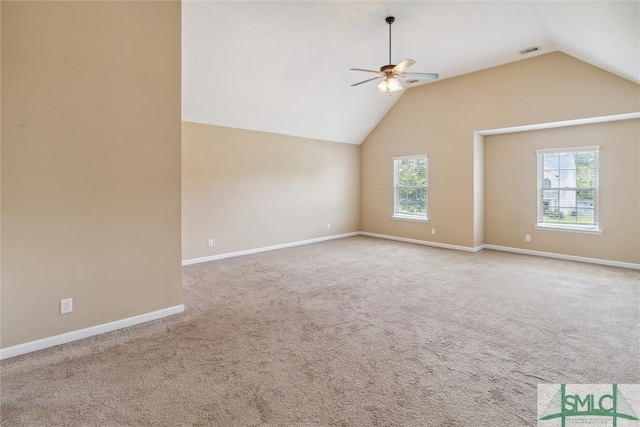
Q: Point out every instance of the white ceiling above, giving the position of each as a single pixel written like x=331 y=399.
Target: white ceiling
x=283 y=67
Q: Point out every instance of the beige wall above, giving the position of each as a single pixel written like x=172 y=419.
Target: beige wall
x=511 y=173
x=439 y=120
x=90 y=163
x=247 y=189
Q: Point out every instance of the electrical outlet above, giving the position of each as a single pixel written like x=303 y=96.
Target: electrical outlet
x=210 y=242
x=328 y=226
x=433 y=231
x=66 y=305
x=527 y=238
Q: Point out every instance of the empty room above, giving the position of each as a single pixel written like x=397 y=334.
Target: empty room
x=318 y=213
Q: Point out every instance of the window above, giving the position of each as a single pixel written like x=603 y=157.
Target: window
x=410 y=188
x=568 y=188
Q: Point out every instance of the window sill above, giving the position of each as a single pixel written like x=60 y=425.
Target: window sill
x=550 y=227
x=409 y=218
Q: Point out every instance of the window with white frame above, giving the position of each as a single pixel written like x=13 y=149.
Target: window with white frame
x=410 y=188
x=568 y=188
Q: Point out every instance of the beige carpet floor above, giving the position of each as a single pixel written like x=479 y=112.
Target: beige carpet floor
x=349 y=332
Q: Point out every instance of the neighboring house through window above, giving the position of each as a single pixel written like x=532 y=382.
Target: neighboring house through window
x=568 y=188
x=410 y=188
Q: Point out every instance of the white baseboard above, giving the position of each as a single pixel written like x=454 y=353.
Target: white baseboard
x=422 y=242
x=565 y=257
x=418 y=242
x=41 y=344
x=266 y=248
x=135 y=320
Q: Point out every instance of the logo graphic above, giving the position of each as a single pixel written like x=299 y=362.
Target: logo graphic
x=587 y=405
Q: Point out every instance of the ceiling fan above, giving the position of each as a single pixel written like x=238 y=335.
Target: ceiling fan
x=391 y=73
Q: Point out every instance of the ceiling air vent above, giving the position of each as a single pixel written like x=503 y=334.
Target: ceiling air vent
x=529 y=50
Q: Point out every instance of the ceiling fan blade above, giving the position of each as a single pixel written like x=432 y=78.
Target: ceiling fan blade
x=431 y=76
x=403 y=65
x=362 y=69
x=368 y=80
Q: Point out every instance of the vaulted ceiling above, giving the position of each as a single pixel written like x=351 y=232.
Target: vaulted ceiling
x=283 y=67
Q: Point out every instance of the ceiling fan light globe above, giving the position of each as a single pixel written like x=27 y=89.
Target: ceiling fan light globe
x=390 y=84
x=394 y=85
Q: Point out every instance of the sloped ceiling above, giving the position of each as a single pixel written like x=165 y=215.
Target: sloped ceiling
x=283 y=67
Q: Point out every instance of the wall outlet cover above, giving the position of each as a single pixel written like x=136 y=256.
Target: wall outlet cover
x=66 y=305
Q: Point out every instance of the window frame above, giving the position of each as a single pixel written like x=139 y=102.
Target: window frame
x=542 y=186
x=407 y=216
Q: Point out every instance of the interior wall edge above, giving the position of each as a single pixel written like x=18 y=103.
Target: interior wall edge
x=562 y=123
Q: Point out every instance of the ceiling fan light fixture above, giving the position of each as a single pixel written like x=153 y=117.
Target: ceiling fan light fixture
x=390 y=84
x=390 y=72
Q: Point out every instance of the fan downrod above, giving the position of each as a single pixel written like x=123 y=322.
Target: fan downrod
x=390 y=20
